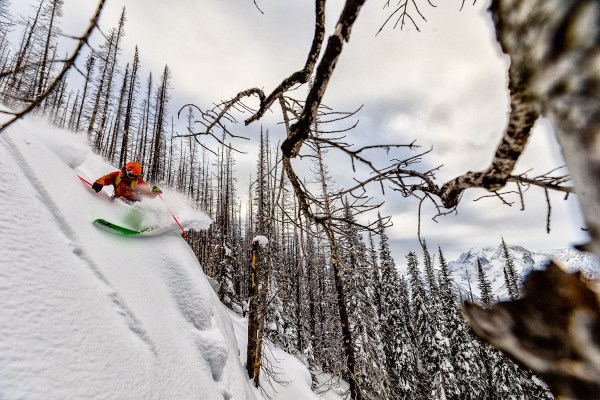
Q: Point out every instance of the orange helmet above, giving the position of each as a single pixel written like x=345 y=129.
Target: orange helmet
x=132 y=170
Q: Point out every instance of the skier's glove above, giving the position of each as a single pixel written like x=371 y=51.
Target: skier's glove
x=156 y=190
x=96 y=187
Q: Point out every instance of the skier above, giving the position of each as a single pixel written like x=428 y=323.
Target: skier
x=128 y=183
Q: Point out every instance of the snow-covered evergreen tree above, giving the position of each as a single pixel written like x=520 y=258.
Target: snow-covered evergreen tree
x=506 y=377
x=371 y=373
x=398 y=347
x=423 y=332
x=485 y=287
x=446 y=286
x=376 y=273
x=409 y=380
x=429 y=272
x=510 y=273
x=443 y=311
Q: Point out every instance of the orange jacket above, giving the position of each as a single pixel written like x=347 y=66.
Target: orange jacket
x=132 y=190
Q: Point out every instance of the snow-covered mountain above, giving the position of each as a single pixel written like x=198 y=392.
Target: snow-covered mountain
x=87 y=314
x=464 y=269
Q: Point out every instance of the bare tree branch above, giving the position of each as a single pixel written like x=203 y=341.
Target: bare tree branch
x=401 y=13
x=302 y=76
x=257 y=7
x=299 y=131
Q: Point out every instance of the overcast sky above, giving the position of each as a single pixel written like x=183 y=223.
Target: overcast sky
x=444 y=86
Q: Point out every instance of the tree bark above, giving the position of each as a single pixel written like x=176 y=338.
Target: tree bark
x=252 y=362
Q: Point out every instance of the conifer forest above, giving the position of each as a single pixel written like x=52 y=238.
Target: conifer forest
x=306 y=259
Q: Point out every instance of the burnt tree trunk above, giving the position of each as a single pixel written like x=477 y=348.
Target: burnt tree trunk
x=252 y=362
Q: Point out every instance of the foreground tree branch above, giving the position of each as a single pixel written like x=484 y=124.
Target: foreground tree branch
x=557 y=63
x=266 y=101
x=302 y=76
x=522 y=117
x=524 y=112
x=299 y=131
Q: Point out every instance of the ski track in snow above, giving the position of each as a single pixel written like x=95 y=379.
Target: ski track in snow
x=198 y=309
x=120 y=306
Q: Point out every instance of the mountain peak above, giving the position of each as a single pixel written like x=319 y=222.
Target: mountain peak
x=464 y=268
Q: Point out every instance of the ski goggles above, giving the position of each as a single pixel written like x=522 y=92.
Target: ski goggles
x=131 y=175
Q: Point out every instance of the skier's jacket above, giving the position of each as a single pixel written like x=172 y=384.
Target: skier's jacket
x=130 y=189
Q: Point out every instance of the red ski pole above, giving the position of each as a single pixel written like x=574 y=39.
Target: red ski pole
x=175 y=218
x=83 y=179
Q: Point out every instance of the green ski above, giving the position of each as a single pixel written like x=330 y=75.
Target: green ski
x=116 y=228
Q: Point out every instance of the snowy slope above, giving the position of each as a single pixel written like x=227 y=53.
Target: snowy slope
x=292 y=381
x=464 y=269
x=87 y=314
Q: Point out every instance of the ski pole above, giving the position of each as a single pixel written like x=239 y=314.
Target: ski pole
x=175 y=218
x=83 y=179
